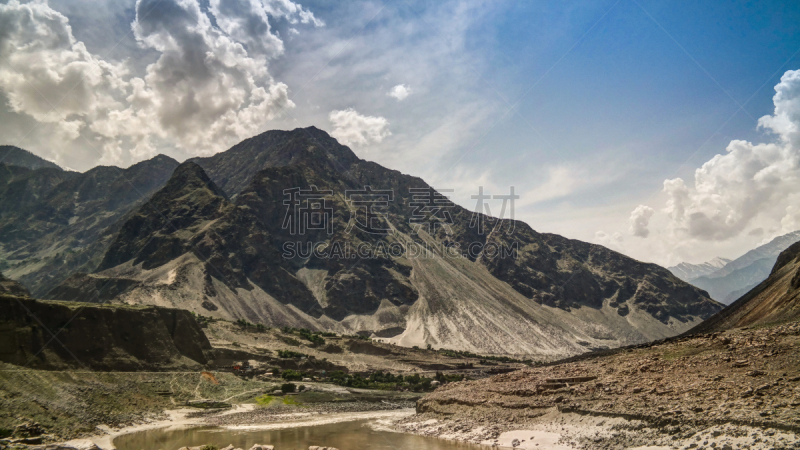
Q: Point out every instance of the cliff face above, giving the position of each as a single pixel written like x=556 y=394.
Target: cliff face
x=98 y=337
x=776 y=299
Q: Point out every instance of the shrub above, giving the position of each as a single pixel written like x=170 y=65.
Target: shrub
x=292 y=375
x=289 y=354
x=288 y=387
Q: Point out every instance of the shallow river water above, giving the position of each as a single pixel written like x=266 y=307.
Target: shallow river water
x=355 y=435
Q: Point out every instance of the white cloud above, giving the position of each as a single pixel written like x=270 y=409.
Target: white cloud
x=399 y=92
x=749 y=193
x=208 y=89
x=640 y=220
x=613 y=241
x=43 y=66
x=351 y=128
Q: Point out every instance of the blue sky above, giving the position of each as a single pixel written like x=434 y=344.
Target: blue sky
x=585 y=107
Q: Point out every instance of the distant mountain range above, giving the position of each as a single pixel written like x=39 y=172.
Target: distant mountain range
x=774 y=300
x=54 y=222
x=211 y=236
x=733 y=279
x=688 y=272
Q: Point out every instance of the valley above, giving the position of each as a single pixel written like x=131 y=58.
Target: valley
x=192 y=312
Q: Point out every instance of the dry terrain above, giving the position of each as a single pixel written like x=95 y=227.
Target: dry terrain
x=734 y=389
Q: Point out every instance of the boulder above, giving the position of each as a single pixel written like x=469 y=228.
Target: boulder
x=262 y=447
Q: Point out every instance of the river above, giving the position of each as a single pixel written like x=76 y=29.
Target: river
x=354 y=435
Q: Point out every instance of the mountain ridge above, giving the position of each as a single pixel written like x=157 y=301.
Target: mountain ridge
x=55 y=222
x=226 y=257
x=15 y=156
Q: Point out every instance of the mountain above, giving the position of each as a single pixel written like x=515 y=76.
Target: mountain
x=776 y=299
x=11 y=287
x=15 y=156
x=219 y=240
x=742 y=274
x=688 y=272
x=55 y=222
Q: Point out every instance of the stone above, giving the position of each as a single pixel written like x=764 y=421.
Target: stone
x=262 y=447
x=77 y=444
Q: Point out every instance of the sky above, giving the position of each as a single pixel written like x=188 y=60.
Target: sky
x=668 y=131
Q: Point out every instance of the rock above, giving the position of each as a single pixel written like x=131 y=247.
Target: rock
x=515 y=443
x=78 y=444
x=262 y=447
x=315 y=447
x=741 y=363
x=28 y=429
x=756 y=373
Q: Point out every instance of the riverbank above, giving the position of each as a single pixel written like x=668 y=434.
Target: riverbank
x=241 y=418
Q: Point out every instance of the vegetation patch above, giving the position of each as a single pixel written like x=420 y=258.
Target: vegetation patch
x=264 y=400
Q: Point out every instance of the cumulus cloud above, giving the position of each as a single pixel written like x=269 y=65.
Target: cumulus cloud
x=399 y=92
x=351 y=128
x=748 y=186
x=43 y=66
x=209 y=87
x=640 y=221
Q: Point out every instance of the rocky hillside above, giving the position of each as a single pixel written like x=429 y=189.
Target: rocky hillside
x=11 y=287
x=736 y=389
x=217 y=239
x=54 y=222
x=98 y=337
x=776 y=299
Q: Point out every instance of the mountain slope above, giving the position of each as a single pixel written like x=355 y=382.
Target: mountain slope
x=776 y=299
x=688 y=272
x=417 y=284
x=744 y=273
x=15 y=156
x=54 y=222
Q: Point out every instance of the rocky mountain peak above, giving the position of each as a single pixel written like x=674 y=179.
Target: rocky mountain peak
x=187 y=178
x=234 y=169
